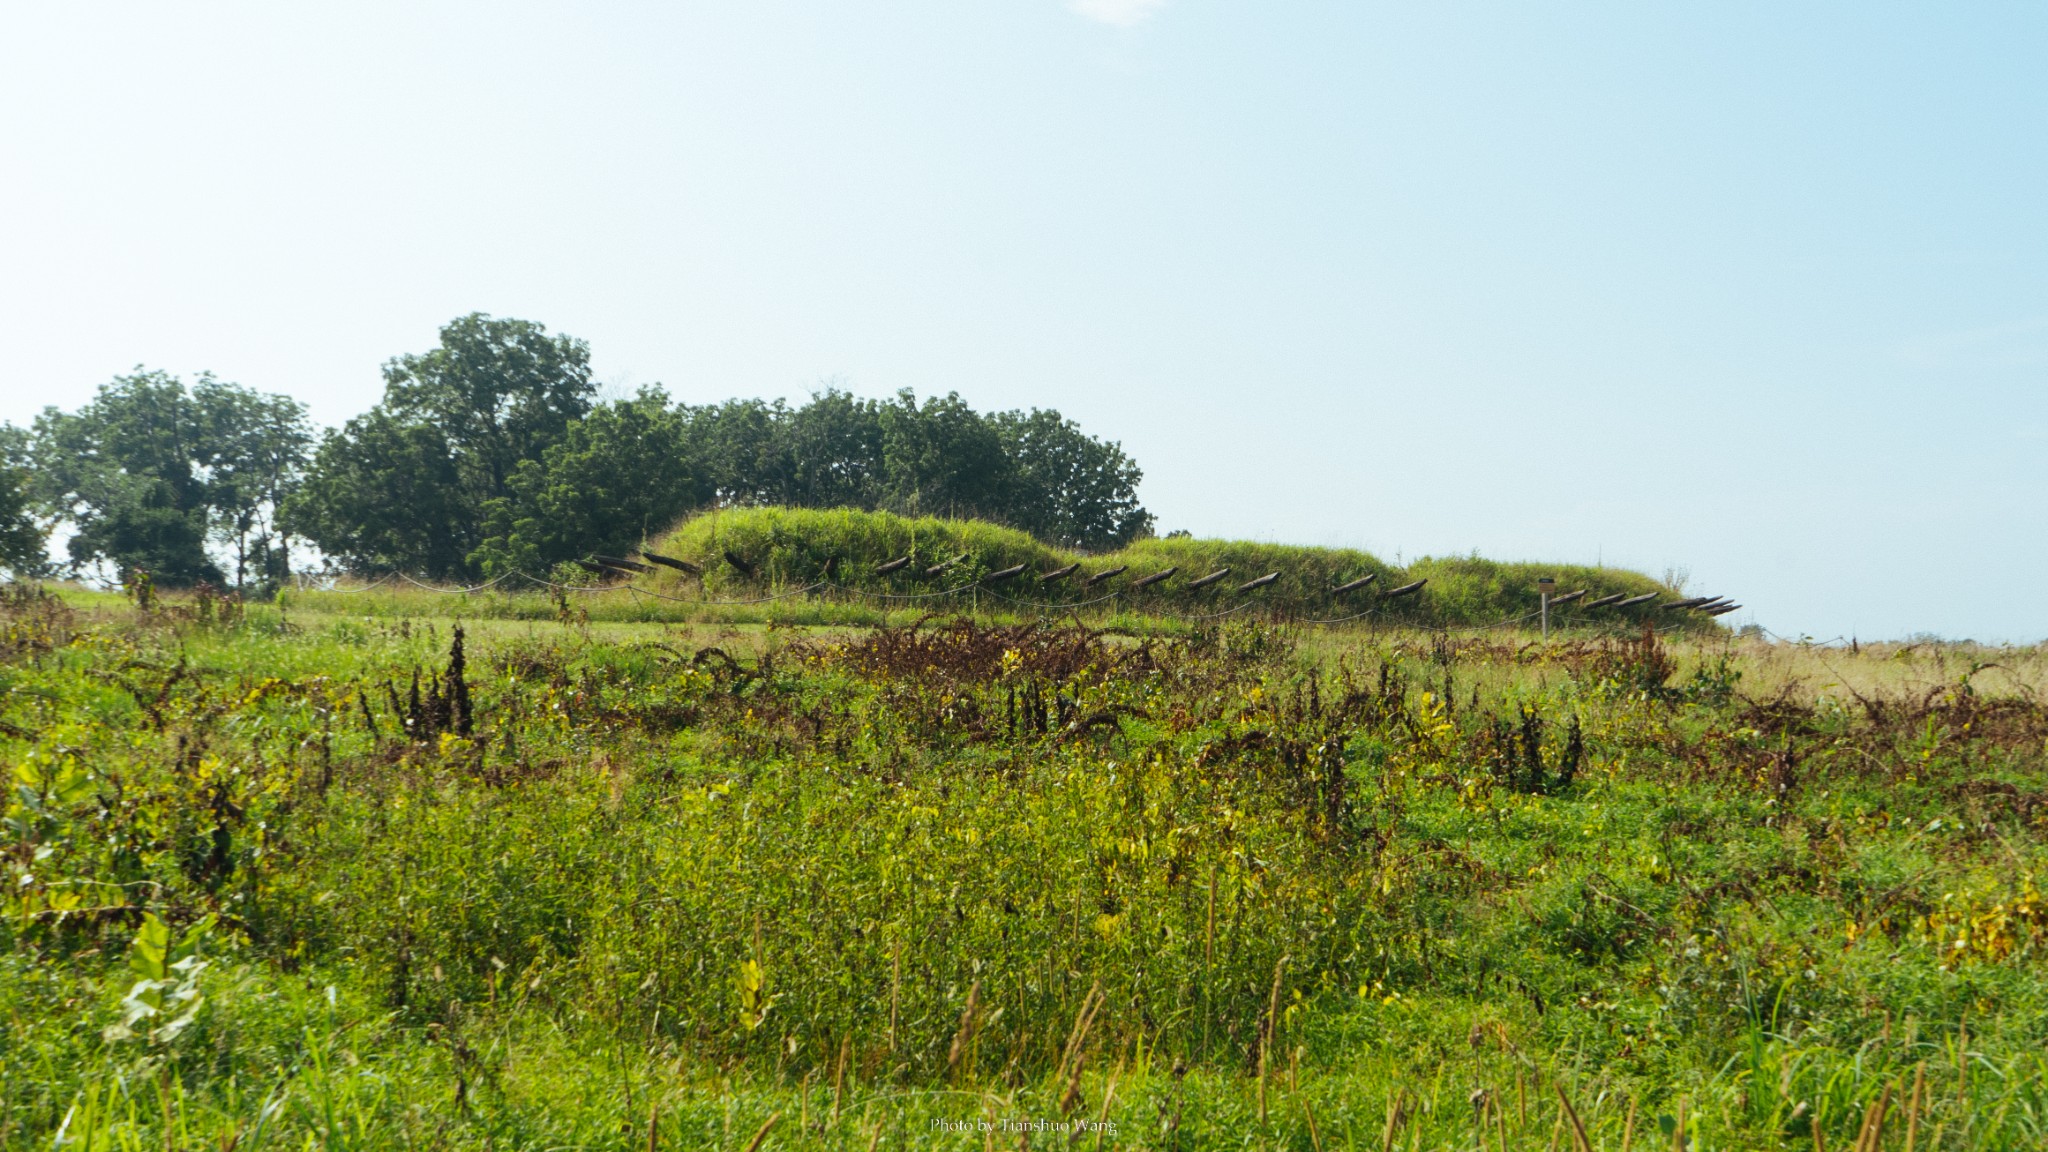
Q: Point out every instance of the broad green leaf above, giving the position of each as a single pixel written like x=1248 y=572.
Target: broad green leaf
x=148 y=955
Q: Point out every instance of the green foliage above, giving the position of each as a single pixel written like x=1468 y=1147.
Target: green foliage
x=829 y=453
x=1036 y=471
x=409 y=484
x=743 y=448
x=1201 y=890
x=1070 y=489
x=149 y=471
x=165 y=998
x=24 y=539
x=126 y=471
x=500 y=391
x=384 y=493
x=616 y=477
x=486 y=456
x=46 y=788
x=942 y=458
x=255 y=449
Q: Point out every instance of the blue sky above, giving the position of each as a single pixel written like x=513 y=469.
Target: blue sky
x=1759 y=292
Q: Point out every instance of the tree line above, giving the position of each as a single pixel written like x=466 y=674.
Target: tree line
x=491 y=453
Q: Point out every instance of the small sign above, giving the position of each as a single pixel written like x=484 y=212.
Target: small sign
x=1546 y=585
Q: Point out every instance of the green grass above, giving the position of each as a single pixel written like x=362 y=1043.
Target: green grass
x=785 y=580
x=1211 y=887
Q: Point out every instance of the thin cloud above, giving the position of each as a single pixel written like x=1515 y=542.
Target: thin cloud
x=1122 y=13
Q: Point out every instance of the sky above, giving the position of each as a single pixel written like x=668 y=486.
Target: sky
x=1757 y=293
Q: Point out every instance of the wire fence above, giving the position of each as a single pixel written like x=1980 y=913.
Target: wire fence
x=1377 y=613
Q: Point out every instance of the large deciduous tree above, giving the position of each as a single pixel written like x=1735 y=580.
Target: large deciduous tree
x=384 y=492
x=942 y=458
x=487 y=455
x=150 y=471
x=617 y=477
x=409 y=484
x=826 y=454
x=741 y=449
x=124 y=471
x=254 y=450
x=836 y=449
x=24 y=537
x=1067 y=487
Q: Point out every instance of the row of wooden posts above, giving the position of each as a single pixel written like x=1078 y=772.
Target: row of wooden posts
x=607 y=565
x=618 y=565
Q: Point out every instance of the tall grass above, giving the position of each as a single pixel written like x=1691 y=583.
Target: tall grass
x=1209 y=888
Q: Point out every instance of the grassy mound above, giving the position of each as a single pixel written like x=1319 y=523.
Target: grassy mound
x=752 y=550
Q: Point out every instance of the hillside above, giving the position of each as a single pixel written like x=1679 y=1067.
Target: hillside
x=784 y=549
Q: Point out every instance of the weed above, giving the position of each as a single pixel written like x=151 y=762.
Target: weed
x=533 y=884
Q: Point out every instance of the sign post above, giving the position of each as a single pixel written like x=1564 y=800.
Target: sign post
x=1544 y=587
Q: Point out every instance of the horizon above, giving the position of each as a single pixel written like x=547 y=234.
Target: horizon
x=1754 y=295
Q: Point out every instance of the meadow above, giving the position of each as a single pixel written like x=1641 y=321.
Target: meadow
x=394 y=869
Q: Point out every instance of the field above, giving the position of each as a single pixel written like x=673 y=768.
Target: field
x=397 y=870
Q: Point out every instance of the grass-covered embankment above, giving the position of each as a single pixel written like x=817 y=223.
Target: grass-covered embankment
x=780 y=548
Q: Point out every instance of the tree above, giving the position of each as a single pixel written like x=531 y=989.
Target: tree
x=255 y=453
x=826 y=454
x=125 y=472
x=24 y=540
x=454 y=425
x=1037 y=470
x=149 y=471
x=384 y=493
x=616 y=477
x=836 y=450
x=486 y=455
x=1067 y=487
x=740 y=448
x=501 y=391
x=941 y=458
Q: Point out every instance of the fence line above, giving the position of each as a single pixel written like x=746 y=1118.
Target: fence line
x=1045 y=610
x=637 y=590
x=491 y=583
